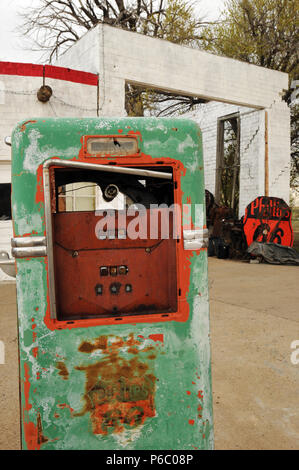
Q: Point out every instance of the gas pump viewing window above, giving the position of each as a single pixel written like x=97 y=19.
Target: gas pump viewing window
x=113 y=145
x=100 y=270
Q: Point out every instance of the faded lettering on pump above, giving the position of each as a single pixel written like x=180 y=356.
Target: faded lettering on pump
x=120 y=387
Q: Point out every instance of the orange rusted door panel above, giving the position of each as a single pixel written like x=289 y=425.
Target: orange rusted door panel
x=99 y=277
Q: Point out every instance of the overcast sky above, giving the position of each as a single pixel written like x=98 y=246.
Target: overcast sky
x=13 y=48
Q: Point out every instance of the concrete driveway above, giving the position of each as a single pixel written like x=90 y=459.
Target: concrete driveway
x=254 y=319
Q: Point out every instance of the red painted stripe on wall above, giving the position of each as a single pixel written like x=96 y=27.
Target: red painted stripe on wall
x=51 y=71
x=62 y=73
x=16 y=68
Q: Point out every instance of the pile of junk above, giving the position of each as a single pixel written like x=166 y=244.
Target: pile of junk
x=263 y=234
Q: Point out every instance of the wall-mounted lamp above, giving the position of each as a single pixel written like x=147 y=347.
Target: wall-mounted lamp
x=44 y=93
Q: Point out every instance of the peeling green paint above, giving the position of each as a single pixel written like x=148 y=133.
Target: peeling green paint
x=53 y=364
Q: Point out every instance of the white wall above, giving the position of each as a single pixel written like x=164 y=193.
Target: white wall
x=18 y=101
x=252 y=147
x=122 y=56
x=279 y=150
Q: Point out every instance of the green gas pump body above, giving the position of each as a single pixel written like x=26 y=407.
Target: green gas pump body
x=113 y=332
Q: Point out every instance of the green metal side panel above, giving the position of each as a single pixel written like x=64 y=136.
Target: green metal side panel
x=59 y=367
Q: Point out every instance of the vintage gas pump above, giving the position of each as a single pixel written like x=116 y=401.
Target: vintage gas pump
x=112 y=284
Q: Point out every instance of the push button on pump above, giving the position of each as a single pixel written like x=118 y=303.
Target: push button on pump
x=104 y=271
x=123 y=270
x=115 y=288
x=113 y=270
x=99 y=289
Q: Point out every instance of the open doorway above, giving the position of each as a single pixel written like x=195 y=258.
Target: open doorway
x=228 y=162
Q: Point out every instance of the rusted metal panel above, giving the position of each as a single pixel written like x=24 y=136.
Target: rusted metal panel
x=88 y=274
x=138 y=379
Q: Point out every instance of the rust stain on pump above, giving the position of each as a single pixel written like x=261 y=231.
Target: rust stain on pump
x=41 y=439
x=23 y=127
x=119 y=391
x=63 y=372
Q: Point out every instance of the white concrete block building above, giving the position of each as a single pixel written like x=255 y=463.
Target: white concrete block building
x=89 y=80
x=230 y=86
